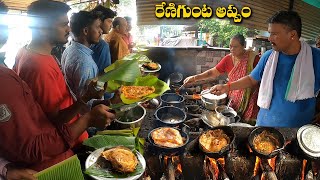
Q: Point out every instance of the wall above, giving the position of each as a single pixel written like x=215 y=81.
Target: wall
x=188 y=61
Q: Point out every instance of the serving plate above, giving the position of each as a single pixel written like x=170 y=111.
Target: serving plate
x=148 y=70
x=93 y=157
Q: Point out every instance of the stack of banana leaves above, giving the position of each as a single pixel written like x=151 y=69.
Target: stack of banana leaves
x=126 y=72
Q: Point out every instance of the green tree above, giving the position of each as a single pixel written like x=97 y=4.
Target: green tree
x=221 y=30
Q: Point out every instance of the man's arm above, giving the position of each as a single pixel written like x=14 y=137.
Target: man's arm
x=245 y=82
x=28 y=136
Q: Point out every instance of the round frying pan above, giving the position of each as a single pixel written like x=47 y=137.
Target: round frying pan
x=275 y=133
x=229 y=132
x=169 y=150
x=170 y=116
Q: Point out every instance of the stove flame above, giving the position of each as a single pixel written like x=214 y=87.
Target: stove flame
x=211 y=167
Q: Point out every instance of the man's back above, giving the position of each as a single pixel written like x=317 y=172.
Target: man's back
x=27 y=136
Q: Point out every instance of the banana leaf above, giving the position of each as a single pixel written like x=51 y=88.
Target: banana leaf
x=149 y=80
x=107 y=141
x=68 y=169
x=96 y=170
x=140 y=57
x=121 y=70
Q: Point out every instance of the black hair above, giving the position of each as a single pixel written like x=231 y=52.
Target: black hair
x=116 y=22
x=3 y=12
x=81 y=20
x=289 y=18
x=128 y=19
x=240 y=38
x=3 y=8
x=44 y=12
x=104 y=13
x=4 y=30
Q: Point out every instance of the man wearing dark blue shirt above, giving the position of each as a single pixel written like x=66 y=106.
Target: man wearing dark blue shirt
x=289 y=76
x=101 y=51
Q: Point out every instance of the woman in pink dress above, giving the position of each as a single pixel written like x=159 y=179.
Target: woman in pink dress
x=237 y=64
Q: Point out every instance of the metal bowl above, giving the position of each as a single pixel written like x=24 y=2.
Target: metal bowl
x=170 y=115
x=211 y=103
x=131 y=118
x=211 y=98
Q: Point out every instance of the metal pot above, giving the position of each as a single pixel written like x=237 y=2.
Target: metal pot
x=131 y=118
x=172 y=99
x=211 y=101
x=170 y=116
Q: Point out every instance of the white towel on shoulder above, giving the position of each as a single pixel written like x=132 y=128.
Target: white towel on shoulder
x=301 y=83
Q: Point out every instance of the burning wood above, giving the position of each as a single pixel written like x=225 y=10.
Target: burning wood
x=172 y=167
x=303 y=170
x=210 y=171
x=315 y=169
x=222 y=173
x=256 y=170
x=268 y=173
x=214 y=168
x=170 y=170
x=272 y=163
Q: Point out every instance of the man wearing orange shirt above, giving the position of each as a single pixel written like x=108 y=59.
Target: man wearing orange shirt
x=41 y=71
x=118 y=47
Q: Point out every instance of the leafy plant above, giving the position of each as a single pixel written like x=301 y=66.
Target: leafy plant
x=221 y=30
x=100 y=141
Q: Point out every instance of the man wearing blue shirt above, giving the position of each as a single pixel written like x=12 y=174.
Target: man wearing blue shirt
x=101 y=51
x=285 y=31
x=77 y=63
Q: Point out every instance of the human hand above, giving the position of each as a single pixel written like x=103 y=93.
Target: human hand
x=116 y=99
x=189 y=80
x=219 y=89
x=100 y=116
x=94 y=90
x=100 y=101
x=14 y=173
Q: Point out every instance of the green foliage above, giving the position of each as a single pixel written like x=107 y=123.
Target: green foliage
x=108 y=141
x=221 y=30
x=68 y=169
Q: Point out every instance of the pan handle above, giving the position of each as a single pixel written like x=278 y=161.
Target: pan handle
x=186 y=128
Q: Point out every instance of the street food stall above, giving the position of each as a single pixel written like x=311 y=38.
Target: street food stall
x=165 y=130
